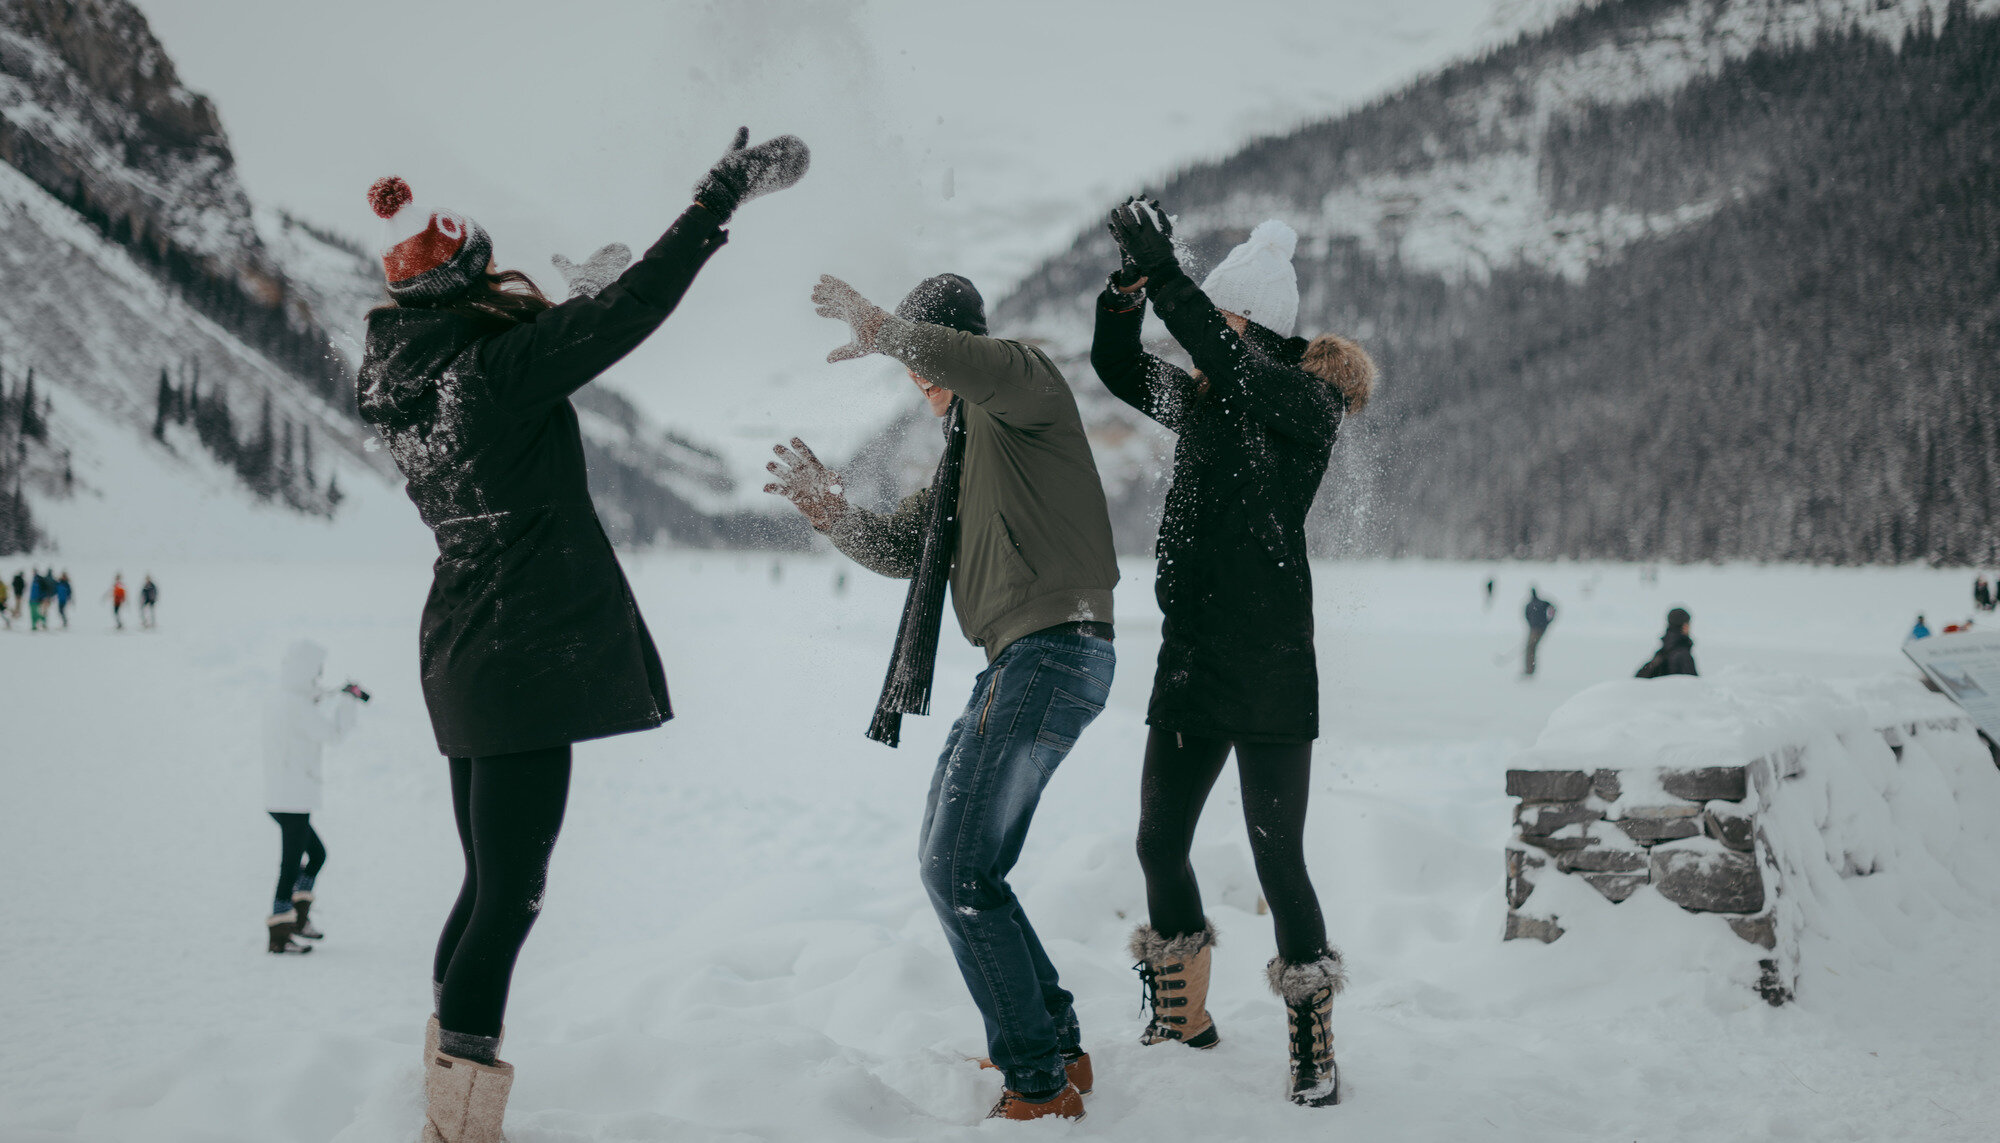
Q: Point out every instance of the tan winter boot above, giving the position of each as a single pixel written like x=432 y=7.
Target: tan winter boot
x=431 y=1027
x=465 y=1101
x=1175 y=973
x=1308 y=991
x=1076 y=1067
x=1068 y=1104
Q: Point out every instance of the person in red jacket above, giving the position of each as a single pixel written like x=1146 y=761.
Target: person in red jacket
x=116 y=595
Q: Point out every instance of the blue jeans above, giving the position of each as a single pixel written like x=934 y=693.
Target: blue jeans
x=1027 y=709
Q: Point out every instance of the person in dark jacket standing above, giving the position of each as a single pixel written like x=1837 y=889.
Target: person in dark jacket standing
x=1539 y=613
x=1016 y=521
x=1676 y=653
x=1237 y=671
x=530 y=639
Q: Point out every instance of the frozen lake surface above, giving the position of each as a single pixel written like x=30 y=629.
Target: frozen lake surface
x=735 y=945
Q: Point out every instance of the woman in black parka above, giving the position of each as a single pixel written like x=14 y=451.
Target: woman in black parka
x=530 y=639
x=1256 y=423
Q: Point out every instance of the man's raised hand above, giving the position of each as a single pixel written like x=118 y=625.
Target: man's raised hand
x=807 y=483
x=836 y=299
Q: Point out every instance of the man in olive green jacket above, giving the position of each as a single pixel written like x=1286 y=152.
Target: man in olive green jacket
x=1031 y=584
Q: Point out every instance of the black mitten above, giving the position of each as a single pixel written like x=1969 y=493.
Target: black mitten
x=745 y=172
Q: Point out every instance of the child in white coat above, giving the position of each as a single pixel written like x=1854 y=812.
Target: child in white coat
x=296 y=727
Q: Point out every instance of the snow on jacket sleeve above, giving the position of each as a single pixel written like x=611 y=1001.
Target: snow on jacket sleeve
x=563 y=348
x=1014 y=382
x=1157 y=388
x=1288 y=401
x=888 y=544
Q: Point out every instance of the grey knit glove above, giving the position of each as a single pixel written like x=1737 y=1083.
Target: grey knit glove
x=745 y=172
x=588 y=278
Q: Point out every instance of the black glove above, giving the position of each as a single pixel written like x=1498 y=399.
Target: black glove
x=745 y=172
x=1145 y=237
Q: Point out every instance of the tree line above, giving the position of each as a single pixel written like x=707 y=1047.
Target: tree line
x=275 y=460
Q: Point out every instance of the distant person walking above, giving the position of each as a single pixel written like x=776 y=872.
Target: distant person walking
x=149 y=595
x=1920 y=631
x=1982 y=594
x=116 y=594
x=38 y=600
x=1676 y=653
x=20 y=591
x=6 y=614
x=295 y=729
x=1540 y=613
x=62 y=597
x=1489 y=593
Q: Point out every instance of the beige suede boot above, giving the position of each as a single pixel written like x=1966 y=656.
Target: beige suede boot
x=1308 y=990
x=465 y=1100
x=1175 y=973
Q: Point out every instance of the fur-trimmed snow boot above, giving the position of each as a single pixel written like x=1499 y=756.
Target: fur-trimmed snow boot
x=281 y=926
x=1076 y=1067
x=1174 y=971
x=1066 y=1104
x=1308 y=991
x=465 y=1100
x=302 y=903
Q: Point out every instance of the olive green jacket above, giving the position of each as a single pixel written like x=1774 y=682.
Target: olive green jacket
x=1034 y=535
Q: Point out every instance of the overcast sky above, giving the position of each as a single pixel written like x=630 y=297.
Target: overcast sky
x=972 y=137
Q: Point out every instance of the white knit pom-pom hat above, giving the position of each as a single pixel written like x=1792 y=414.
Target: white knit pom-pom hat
x=1257 y=279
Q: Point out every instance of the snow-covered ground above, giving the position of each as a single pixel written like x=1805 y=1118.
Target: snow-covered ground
x=735 y=945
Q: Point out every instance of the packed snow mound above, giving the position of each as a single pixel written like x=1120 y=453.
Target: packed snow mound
x=1877 y=812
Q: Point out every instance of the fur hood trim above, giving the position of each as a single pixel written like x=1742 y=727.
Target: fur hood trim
x=1148 y=945
x=1298 y=982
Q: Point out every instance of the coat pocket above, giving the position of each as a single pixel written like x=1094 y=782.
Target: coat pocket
x=1015 y=570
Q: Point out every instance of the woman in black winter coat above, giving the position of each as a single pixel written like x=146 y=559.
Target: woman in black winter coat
x=530 y=639
x=1237 y=671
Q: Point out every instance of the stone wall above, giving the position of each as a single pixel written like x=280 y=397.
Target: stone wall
x=1691 y=834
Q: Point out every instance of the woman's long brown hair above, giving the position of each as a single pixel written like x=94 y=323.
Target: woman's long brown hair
x=509 y=295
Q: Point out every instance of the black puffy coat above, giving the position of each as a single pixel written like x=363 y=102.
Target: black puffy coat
x=530 y=637
x=1235 y=590
x=1675 y=657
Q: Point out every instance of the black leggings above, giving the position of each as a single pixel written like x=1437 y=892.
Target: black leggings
x=509 y=809
x=301 y=855
x=1180 y=771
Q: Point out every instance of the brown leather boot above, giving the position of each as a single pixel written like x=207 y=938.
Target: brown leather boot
x=1308 y=991
x=302 y=903
x=465 y=1101
x=1076 y=1067
x=281 y=926
x=1175 y=973
x=1067 y=1105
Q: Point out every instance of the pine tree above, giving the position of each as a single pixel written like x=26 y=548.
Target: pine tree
x=33 y=427
x=258 y=464
x=165 y=401
x=306 y=456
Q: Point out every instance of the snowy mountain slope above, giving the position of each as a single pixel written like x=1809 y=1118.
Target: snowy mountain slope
x=98 y=328
x=1476 y=230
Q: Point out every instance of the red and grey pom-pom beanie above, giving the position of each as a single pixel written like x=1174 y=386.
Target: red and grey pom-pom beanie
x=426 y=255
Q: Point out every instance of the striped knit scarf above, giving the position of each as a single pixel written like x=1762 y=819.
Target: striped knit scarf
x=907 y=688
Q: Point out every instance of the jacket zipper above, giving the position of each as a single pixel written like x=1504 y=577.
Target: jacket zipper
x=992 y=688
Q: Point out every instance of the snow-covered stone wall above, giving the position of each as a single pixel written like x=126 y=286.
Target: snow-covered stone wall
x=1765 y=800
